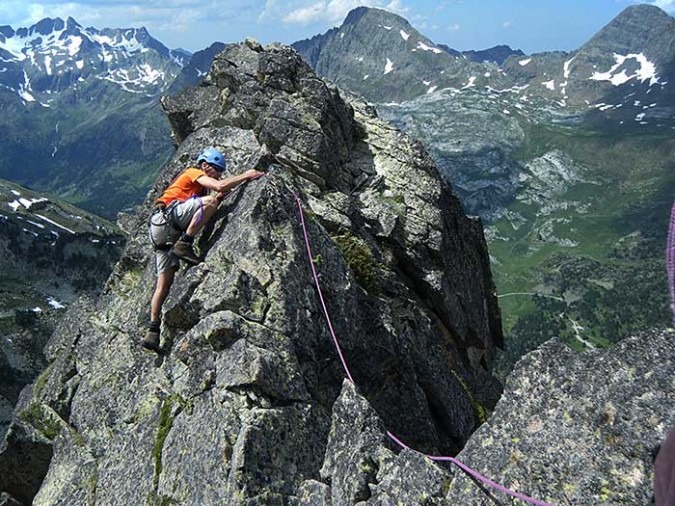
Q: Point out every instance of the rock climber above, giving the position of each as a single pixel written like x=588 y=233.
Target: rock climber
x=177 y=217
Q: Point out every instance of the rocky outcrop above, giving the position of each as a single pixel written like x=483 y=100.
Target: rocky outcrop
x=578 y=428
x=571 y=428
x=241 y=406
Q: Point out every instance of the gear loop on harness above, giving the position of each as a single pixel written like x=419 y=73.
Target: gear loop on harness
x=161 y=219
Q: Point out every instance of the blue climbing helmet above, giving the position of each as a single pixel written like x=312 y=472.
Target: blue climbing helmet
x=213 y=157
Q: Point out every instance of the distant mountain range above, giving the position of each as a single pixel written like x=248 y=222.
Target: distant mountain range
x=89 y=97
x=53 y=55
x=627 y=65
x=81 y=110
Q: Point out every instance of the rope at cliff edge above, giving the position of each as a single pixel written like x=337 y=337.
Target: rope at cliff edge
x=436 y=458
x=670 y=260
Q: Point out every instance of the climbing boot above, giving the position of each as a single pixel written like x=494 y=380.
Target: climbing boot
x=151 y=339
x=184 y=251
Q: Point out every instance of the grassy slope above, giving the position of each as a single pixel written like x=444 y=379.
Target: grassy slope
x=102 y=155
x=613 y=280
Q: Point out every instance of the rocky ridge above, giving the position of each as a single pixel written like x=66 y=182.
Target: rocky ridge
x=571 y=428
x=496 y=54
x=244 y=395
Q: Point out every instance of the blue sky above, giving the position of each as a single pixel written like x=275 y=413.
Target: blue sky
x=529 y=25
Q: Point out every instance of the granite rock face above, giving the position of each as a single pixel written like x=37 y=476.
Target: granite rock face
x=241 y=406
x=571 y=428
x=578 y=428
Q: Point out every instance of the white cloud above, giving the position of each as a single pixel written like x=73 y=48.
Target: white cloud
x=153 y=14
x=397 y=7
x=455 y=28
x=666 y=5
x=304 y=12
x=506 y=24
x=174 y=22
x=306 y=15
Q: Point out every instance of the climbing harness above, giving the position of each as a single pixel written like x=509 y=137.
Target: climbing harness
x=160 y=223
x=163 y=224
x=453 y=460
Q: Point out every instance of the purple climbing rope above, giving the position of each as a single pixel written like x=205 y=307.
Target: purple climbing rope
x=318 y=289
x=453 y=460
x=670 y=260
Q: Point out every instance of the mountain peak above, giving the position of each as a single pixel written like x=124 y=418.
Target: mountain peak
x=6 y=32
x=638 y=28
x=640 y=17
x=47 y=25
x=356 y=15
x=72 y=24
x=640 y=10
x=379 y=55
x=54 y=55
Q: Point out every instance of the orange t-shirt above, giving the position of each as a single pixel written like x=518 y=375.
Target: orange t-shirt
x=184 y=187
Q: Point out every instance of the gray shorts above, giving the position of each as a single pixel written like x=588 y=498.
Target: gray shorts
x=162 y=232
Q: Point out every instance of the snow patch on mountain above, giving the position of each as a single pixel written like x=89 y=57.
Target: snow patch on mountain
x=134 y=80
x=123 y=43
x=618 y=76
x=471 y=83
x=48 y=65
x=566 y=76
x=53 y=48
x=421 y=45
x=24 y=89
x=55 y=303
x=14 y=46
